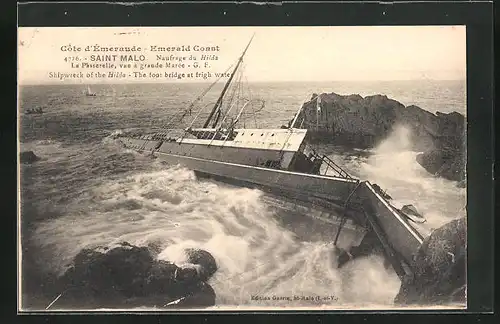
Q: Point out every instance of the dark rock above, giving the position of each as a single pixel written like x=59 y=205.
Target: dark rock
x=187 y=274
x=449 y=165
x=161 y=275
x=412 y=213
x=357 y=122
x=128 y=275
x=350 y=120
x=155 y=248
x=439 y=267
x=28 y=157
x=431 y=161
x=128 y=266
x=207 y=263
x=120 y=269
x=410 y=210
x=202 y=296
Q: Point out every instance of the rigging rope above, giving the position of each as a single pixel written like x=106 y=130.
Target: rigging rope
x=191 y=106
x=234 y=89
x=250 y=99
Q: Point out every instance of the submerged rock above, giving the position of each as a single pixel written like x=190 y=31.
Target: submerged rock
x=128 y=275
x=28 y=157
x=412 y=213
x=410 y=210
x=440 y=268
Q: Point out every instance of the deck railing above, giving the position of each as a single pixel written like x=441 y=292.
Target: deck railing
x=335 y=167
x=330 y=164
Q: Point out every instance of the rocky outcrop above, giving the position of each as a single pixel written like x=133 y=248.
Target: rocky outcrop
x=129 y=276
x=440 y=268
x=358 y=122
x=28 y=157
x=445 y=164
x=447 y=157
x=205 y=261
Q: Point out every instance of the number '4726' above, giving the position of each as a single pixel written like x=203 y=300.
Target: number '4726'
x=72 y=59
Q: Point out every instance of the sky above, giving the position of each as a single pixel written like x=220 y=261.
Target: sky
x=356 y=53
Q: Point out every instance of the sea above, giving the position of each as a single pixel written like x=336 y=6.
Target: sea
x=87 y=190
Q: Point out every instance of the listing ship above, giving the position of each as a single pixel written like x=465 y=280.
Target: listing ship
x=283 y=164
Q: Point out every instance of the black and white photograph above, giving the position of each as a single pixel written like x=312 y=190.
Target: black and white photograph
x=242 y=168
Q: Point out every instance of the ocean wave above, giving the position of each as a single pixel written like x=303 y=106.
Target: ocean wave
x=392 y=165
x=172 y=210
x=168 y=207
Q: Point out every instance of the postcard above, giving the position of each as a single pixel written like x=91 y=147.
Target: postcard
x=242 y=168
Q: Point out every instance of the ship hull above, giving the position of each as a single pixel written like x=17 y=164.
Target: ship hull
x=398 y=232
x=330 y=190
x=287 y=195
x=324 y=197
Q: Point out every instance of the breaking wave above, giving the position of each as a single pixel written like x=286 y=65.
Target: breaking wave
x=393 y=166
x=168 y=207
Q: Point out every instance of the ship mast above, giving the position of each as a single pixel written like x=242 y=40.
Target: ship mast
x=226 y=86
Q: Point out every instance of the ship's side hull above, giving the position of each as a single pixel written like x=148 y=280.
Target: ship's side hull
x=312 y=191
x=402 y=236
x=314 y=196
x=317 y=192
x=322 y=187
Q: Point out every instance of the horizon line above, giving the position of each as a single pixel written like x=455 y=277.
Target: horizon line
x=222 y=82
